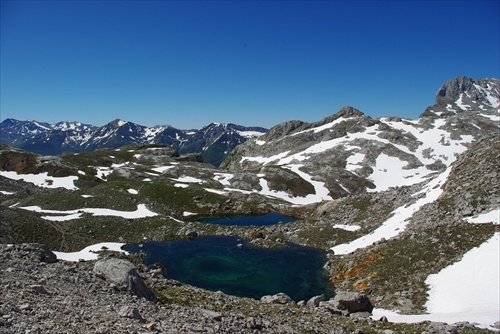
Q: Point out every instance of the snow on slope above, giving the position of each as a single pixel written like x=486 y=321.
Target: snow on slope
x=399 y=217
x=91 y=252
x=320 y=194
x=468 y=290
x=43 y=180
x=436 y=145
x=141 y=212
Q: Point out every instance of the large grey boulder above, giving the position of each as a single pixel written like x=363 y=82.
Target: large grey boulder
x=352 y=302
x=348 y=303
x=279 y=298
x=124 y=275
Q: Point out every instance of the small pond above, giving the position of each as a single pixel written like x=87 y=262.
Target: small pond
x=264 y=220
x=219 y=264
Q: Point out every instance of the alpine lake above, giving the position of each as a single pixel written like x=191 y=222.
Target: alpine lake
x=235 y=267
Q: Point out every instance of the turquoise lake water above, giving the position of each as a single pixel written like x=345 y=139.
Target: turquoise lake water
x=218 y=264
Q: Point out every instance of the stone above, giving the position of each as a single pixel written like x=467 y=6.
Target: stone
x=191 y=235
x=39 y=289
x=279 y=298
x=212 y=314
x=352 y=302
x=314 y=301
x=131 y=313
x=157 y=270
x=124 y=274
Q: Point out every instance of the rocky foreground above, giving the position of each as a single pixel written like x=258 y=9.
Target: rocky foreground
x=42 y=295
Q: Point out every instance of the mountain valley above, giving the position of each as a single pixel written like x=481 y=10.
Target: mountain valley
x=393 y=202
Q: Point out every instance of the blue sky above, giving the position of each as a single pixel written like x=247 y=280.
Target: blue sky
x=251 y=63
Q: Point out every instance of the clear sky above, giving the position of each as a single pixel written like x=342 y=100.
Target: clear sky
x=252 y=63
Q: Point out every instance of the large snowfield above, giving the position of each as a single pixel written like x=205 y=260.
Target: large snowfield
x=468 y=290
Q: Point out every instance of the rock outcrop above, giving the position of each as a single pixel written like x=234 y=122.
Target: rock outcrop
x=123 y=275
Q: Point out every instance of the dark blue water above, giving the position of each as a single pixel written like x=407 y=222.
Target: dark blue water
x=268 y=219
x=217 y=263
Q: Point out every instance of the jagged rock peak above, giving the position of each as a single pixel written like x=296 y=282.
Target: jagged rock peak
x=480 y=90
x=348 y=111
x=344 y=112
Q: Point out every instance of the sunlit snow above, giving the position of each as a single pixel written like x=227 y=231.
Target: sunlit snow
x=43 y=180
x=3 y=192
x=399 y=217
x=223 y=178
x=347 y=227
x=487 y=217
x=321 y=127
x=162 y=168
x=389 y=172
x=467 y=290
x=91 y=252
x=189 y=179
x=141 y=212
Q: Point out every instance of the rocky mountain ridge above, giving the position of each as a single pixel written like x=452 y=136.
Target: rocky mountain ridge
x=349 y=151
x=212 y=142
x=393 y=201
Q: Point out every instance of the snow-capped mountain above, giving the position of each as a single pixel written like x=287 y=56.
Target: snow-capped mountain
x=351 y=153
x=403 y=206
x=213 y=142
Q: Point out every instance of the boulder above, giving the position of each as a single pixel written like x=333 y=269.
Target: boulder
x=123 y=274
x=348 y=304
x=279 y=298
x=351 y=302
x=314 y=301
x=131 y=313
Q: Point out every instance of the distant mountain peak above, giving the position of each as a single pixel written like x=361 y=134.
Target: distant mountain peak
x=117 y=123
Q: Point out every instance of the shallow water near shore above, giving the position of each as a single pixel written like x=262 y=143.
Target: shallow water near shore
x=221 y=264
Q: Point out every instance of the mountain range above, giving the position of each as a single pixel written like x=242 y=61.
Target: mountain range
x=395 y=202
x=213 y=142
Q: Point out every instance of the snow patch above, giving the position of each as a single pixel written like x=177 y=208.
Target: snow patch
x=90 y=253
x=467 y=290
x=347 y=227
x=162 y=168
x=390 y=172
x=223 y=178
x=43 y=180
x=250 y=134
x=189 y=179
x=141 y=212
x=488 y=217
x=399 y=217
